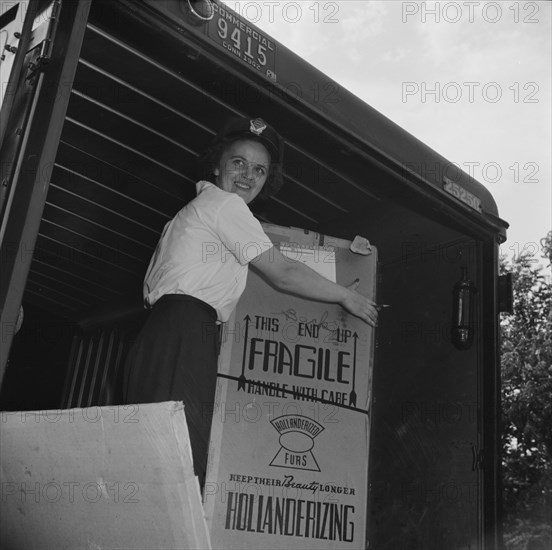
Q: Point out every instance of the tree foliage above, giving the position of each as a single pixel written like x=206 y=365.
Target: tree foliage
x=526 y=356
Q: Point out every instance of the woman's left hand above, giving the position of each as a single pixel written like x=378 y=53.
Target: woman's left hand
x=359 y=305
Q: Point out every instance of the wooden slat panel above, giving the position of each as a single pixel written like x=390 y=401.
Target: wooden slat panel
x=101 y=225
x=134 y=189
x=128 y=217
x=174 y=87
x=172 y=121
x=136 y=136
x=54 y=297
x=112 y=273
x=160 y=177
x=70 y=278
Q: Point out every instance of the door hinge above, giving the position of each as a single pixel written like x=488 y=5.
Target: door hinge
x=47 y=43
x=478 y=457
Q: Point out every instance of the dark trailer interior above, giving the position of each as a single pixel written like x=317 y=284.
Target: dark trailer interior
x=114 y=102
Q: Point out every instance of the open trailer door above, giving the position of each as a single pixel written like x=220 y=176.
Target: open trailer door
x=33 y=110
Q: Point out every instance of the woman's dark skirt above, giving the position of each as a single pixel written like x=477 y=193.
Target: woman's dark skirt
x=175 y=359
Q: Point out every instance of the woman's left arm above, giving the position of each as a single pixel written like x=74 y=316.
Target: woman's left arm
x=297 y=278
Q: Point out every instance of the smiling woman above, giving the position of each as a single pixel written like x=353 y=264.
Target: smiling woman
x=243 y=169
x=199 y=271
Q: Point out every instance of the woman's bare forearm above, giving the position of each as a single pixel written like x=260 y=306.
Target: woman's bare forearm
x=297 y=278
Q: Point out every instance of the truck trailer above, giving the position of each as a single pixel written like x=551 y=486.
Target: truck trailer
x=106 y=106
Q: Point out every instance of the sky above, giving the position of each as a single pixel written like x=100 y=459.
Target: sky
x=470 y=79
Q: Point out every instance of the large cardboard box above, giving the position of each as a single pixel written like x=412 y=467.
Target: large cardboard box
x=99 y=478
x=288 y=464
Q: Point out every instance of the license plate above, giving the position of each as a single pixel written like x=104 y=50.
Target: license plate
x=461 y=194
x=242 y=40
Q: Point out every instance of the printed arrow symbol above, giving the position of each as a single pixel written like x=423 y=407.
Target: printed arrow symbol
x=353 y=395
x=242 y=380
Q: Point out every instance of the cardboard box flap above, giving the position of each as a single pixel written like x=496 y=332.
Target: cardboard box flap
x=102 y=477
